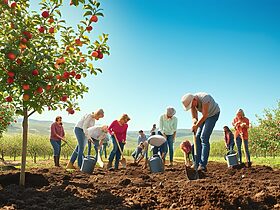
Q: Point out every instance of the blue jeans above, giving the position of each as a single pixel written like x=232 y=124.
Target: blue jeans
x=230 y=146
x=96 y=145
x=136 y=153
x=116 y=152
x=79 y=150
x=202 y=140
x=239 y=144
x=56 y=147
x=162 y=149
x=103 y=149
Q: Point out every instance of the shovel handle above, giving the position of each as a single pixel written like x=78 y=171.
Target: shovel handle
x=243 y=145
x=194 y=144
x=118 y=145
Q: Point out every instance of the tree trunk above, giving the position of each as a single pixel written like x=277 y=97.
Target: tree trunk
x=24 y=146
x=35 y=155
x=2 y=155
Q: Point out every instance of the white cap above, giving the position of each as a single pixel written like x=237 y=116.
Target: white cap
x=187 y=101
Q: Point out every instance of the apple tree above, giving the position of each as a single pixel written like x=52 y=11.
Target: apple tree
x=43 y=60
x=266 y=135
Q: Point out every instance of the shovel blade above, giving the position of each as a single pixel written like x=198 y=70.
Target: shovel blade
x=123 y=162
x=191 y=173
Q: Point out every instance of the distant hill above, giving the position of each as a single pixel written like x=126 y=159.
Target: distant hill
x=43 y=128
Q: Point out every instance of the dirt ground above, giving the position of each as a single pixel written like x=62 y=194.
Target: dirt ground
x=222 y=188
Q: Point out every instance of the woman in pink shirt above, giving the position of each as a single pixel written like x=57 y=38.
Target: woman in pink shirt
x=119 y=128
x=57 y=134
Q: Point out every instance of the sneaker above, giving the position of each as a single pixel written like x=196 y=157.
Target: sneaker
x=202 y=168
x=109 y=165
x=171 y=164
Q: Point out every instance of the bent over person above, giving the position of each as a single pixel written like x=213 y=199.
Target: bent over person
x=203 y=127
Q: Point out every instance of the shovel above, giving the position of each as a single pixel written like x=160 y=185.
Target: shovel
x=192 y=173
x=99 y=160
x=123 y=160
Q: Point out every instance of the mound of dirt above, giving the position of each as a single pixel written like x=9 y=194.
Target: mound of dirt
x=136 y=188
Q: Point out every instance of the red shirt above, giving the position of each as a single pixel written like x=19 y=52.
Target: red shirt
x=240 y=129
x=186 y=147
x=56 y=129
x=119 y=130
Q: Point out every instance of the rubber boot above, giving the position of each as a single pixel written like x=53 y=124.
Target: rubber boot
x=57 y=161
x=109 y=165
x=70 y=165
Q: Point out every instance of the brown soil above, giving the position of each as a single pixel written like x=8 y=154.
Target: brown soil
x=221 y=188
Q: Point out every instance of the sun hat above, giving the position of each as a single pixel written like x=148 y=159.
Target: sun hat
x=187 y=101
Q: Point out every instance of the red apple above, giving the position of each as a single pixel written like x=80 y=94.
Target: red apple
x=71 y=2
x=89 y=28
x=71 y=111
x=13 y=4
x=11 y=56
x=95 y=54
x=48 y=87
x=35 y=72
x=82 y=60
x=94 y=18
x=11 y=74
x=66 y=75
x=39 y=90
x=26 y=97
x=60 y=60
x=64 y=98
x=51 y=20
x=25 y=87
x=23 y=40
x=58 y=77
x=51 y=30
x=41 y=29
x=45 y=14
x=78 y=42
x=78 y=76
x=27 y=34
x=5 y=1
x=9 y=99
x=100 y=55
x=73 y=73
x=10 y=80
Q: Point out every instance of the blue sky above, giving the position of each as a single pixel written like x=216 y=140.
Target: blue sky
x=163 y=49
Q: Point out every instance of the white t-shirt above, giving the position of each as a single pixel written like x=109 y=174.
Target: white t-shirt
x=96 y=133
x=86 y=122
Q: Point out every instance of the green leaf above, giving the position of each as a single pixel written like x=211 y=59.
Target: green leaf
x=87 y=13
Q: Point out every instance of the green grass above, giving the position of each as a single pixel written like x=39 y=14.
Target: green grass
x=45 y=163
x=268 y=161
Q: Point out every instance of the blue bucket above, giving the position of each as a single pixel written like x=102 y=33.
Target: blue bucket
x=156 y=164
x=88 y=164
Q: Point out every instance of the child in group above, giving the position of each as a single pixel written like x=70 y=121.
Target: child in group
x=138 y=151
x=186 y=148
x=229 y=139
x=154 y=130
x=104 y=147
